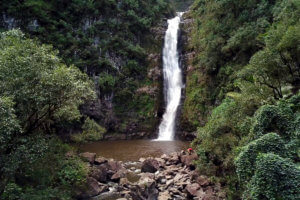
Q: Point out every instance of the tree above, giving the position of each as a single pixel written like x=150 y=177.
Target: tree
x=37 y=91
x=41 y=86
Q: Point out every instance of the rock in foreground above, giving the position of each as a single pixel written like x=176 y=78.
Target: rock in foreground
x=168 y=177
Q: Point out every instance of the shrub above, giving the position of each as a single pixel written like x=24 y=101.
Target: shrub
x=245 y=161
x=275 y=178
x=273 y=118
x=91 y=132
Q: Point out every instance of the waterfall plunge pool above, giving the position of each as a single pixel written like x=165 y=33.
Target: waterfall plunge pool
x=133 y=150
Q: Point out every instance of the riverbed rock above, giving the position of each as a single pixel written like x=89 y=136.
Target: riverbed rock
x=158 y=180
x=100 y=160
x=93 y=188
x=124 y=181
x=150 y=165
x=88 y=157
x=119 y=174
x=164 y=195
x=192 y=189
x=114 y=166
x=99 y=173
x=188 y=160
x=174 y=159
x=145 y=191
x=203 y=181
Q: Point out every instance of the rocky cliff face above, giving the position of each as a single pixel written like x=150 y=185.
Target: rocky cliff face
x=140 y=117
x=184 y=123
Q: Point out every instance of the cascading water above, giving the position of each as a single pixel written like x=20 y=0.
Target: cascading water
x=172 y=79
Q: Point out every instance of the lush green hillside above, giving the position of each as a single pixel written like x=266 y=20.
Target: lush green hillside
x=88 y=67
x=243 y=84
x=110 y=41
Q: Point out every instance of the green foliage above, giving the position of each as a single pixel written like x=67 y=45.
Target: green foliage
x=227 y=35
x=91 y=132
x=273 y=118
x=282 y=119
x=107 y=39
x=247 y=53
x=275 y=178
x=42 y=87
x=8 y=122
x=245 y=161
x=106 y=83
x=38 y=169
x=82 y=30
x=220 y=136
x=276 y=66
x=194 y=107
x=38 y=92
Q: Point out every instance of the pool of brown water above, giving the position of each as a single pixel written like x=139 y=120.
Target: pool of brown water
x=132 y=150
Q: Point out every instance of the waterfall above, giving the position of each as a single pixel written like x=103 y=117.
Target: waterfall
x=172 y=79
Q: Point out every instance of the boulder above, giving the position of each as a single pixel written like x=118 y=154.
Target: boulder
x=175 y=191
x=163 y=181
x=161 y=161
x=164 y=156
x=164 y=195
x=114 y=166
x=147 y=175
x=119 y=174
x=88 y=157
x=146 y=179
x=145 y=191
x=178 y=177
x=93 y=188
x=169 y=183
x=99 y=173
x=174 y=159
x=203 y=181
x=188 y=160
x=100 y=160
x=124 y=181
x=150 y=165
x=192 y=189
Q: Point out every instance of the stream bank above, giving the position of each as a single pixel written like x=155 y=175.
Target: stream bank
x=166 y=177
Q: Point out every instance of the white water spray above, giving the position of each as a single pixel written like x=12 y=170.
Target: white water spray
x=172 y=79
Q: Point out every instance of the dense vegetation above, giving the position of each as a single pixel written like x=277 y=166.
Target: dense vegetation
x=68 y=53
x=245 y=87
x=107 y=39
x=242 y=90
x=37 y=94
